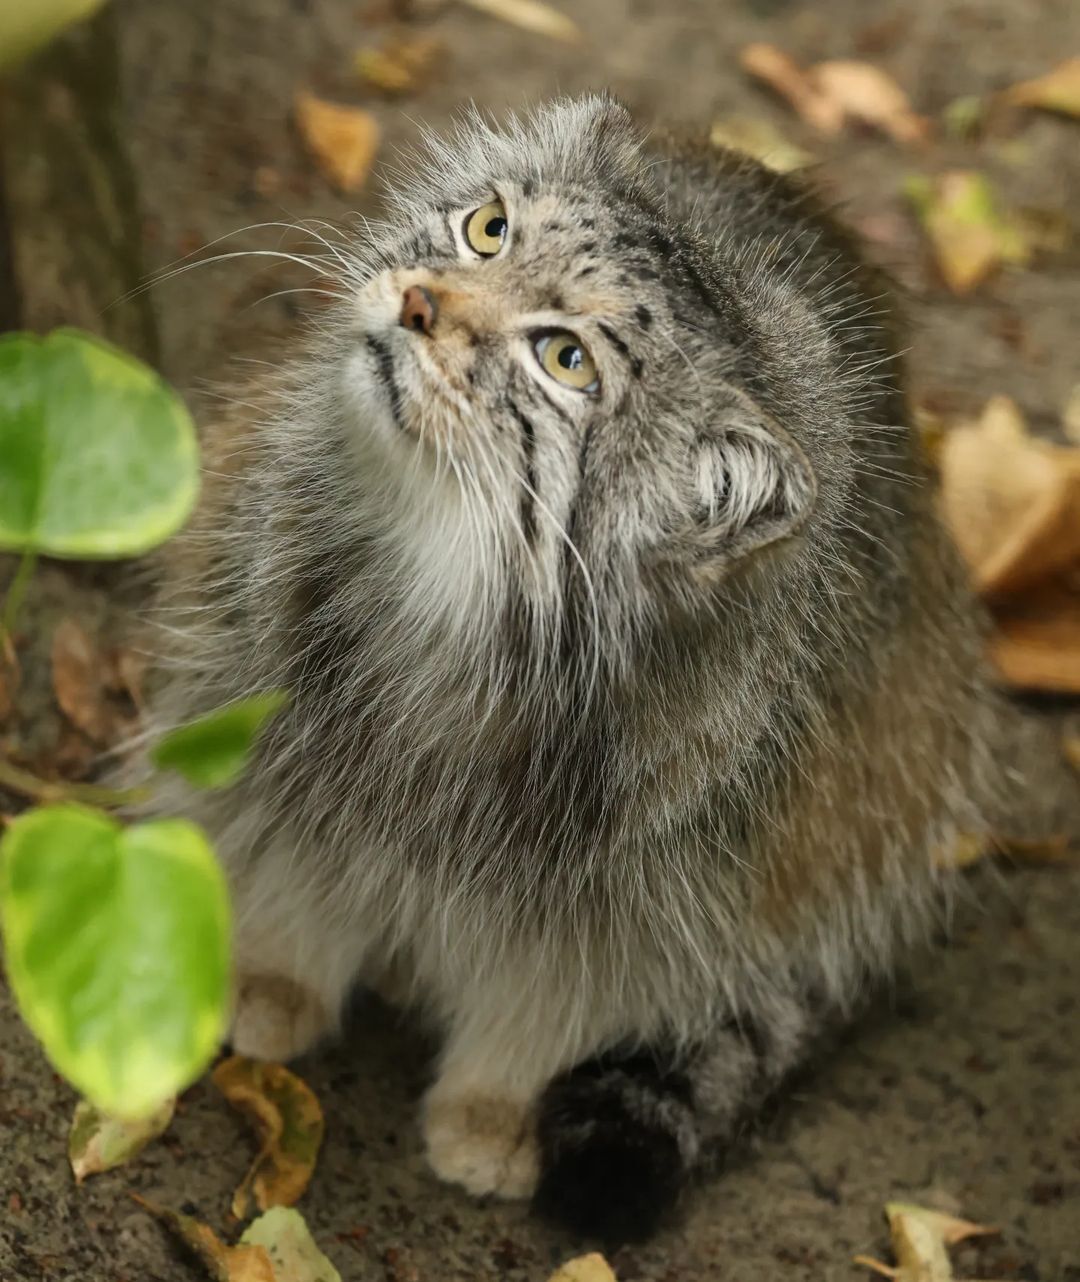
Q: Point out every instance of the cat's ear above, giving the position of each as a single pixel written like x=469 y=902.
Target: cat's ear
x=600 y=127
x=751 y=486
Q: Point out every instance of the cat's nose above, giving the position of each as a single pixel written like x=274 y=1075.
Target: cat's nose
x=419 y=309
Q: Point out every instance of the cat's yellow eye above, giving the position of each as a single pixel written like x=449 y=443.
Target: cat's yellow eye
x=567 y=361
x=486 y=227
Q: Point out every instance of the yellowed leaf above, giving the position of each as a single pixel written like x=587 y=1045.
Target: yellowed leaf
x=1058 y=90
x=919 y=1238
x=971 y=237
x=531 y=15
x=343 y=140
x=288 y=1122
x=585 y=1268
x=867 y=94
x=967 y=848
x=399 y=66
x=222 y=1263
x=1011 y=501
x=785 y=77
x=1036 y=850
x=98 y=1142
x=285 y=1237
x=762 y=141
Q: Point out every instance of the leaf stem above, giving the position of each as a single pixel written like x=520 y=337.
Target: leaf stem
x=25 y=784
x=17 y=591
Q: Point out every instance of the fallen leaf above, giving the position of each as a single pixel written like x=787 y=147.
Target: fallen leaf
x=761 y=140
x=585 y=1268
x=288 y=1121
x=79 y=677
x=343 y=140
x=531 y=15
x=1036 y=645
x=124 y=673
x=1058 y=90
x=967 y=848
x=919 y=1238
x=400 y=65
x=867 y=94
x=1011 y=501
x=245 y=1263
x=294 y=1257
x=963 y=117
x=785 y=77
x=970 y=235
x=98 y=1142
x=1035 y=850
x=831 y=94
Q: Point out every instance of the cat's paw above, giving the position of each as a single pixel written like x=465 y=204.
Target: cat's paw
x=484 y=1143
x=276 y=1019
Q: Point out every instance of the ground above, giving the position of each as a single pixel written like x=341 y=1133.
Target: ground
x=167 y=126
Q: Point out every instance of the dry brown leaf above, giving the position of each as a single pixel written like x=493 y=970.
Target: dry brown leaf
x=1011 y=501
x=98 y=1142
x=919 y=1238
x=1058 y=90
x=343 y=140
x=531 y=15
x=1070 y=417
x=124 y=673
x=761 y=140
x=967 y=848
x=398 y=66
x=223 y=1263
x=968 y=232
x=79 y=675
x=1035 y=850
x=1037 y=642
x=585 y=1268
x=288 y=1121
x=785 y=77
x=867 y=94
x=831 y=94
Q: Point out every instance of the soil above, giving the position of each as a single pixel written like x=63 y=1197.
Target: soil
x=164 y=126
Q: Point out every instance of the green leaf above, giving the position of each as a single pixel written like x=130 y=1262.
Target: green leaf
x=117 y=949
x=98 y=456
x=25 y=24
x=284 y=1235
x=214 y=750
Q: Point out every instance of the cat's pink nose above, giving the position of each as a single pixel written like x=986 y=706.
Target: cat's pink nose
x=419 y=309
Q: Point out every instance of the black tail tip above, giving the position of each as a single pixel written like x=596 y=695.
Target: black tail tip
x=608 y=1173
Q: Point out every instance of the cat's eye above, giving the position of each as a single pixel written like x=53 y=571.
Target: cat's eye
x=486 y=228
x=567 y=361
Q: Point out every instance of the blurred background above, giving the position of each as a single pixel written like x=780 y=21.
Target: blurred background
x=158 y=128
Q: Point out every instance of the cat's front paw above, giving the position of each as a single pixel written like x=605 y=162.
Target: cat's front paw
x=276 y=1019
x=487 y=1144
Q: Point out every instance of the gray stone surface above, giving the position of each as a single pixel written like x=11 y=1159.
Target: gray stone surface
x=961 y=1088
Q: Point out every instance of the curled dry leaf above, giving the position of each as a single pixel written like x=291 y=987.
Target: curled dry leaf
x=531 y=15
x=98 y=1142
x=400 y=65
x=294 y=1257
x=970 y=235
x=1058 y=90
x=79 y=677
x=761 y=140
x=244 y=1263
x=288 y=1121
x=585 y=1268
x=343 y=140
x=1011 y=501
x=919 y=1238
x=831 y=94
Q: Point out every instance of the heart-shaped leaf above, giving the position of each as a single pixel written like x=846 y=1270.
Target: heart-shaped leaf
x=117 y=949
x=98 y=456
x=214 y=750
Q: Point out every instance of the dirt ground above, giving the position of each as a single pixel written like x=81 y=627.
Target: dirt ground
x=168 y=125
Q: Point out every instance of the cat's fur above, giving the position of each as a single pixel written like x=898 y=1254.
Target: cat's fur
x=625 y=728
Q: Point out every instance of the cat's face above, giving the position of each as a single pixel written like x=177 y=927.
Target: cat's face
x=537 y=377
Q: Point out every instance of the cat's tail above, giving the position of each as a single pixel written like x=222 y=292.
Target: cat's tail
x=620 y=1141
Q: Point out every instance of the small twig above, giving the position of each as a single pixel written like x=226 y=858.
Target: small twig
x=25 y=784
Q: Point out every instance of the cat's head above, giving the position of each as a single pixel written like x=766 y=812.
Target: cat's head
x=538 y=383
